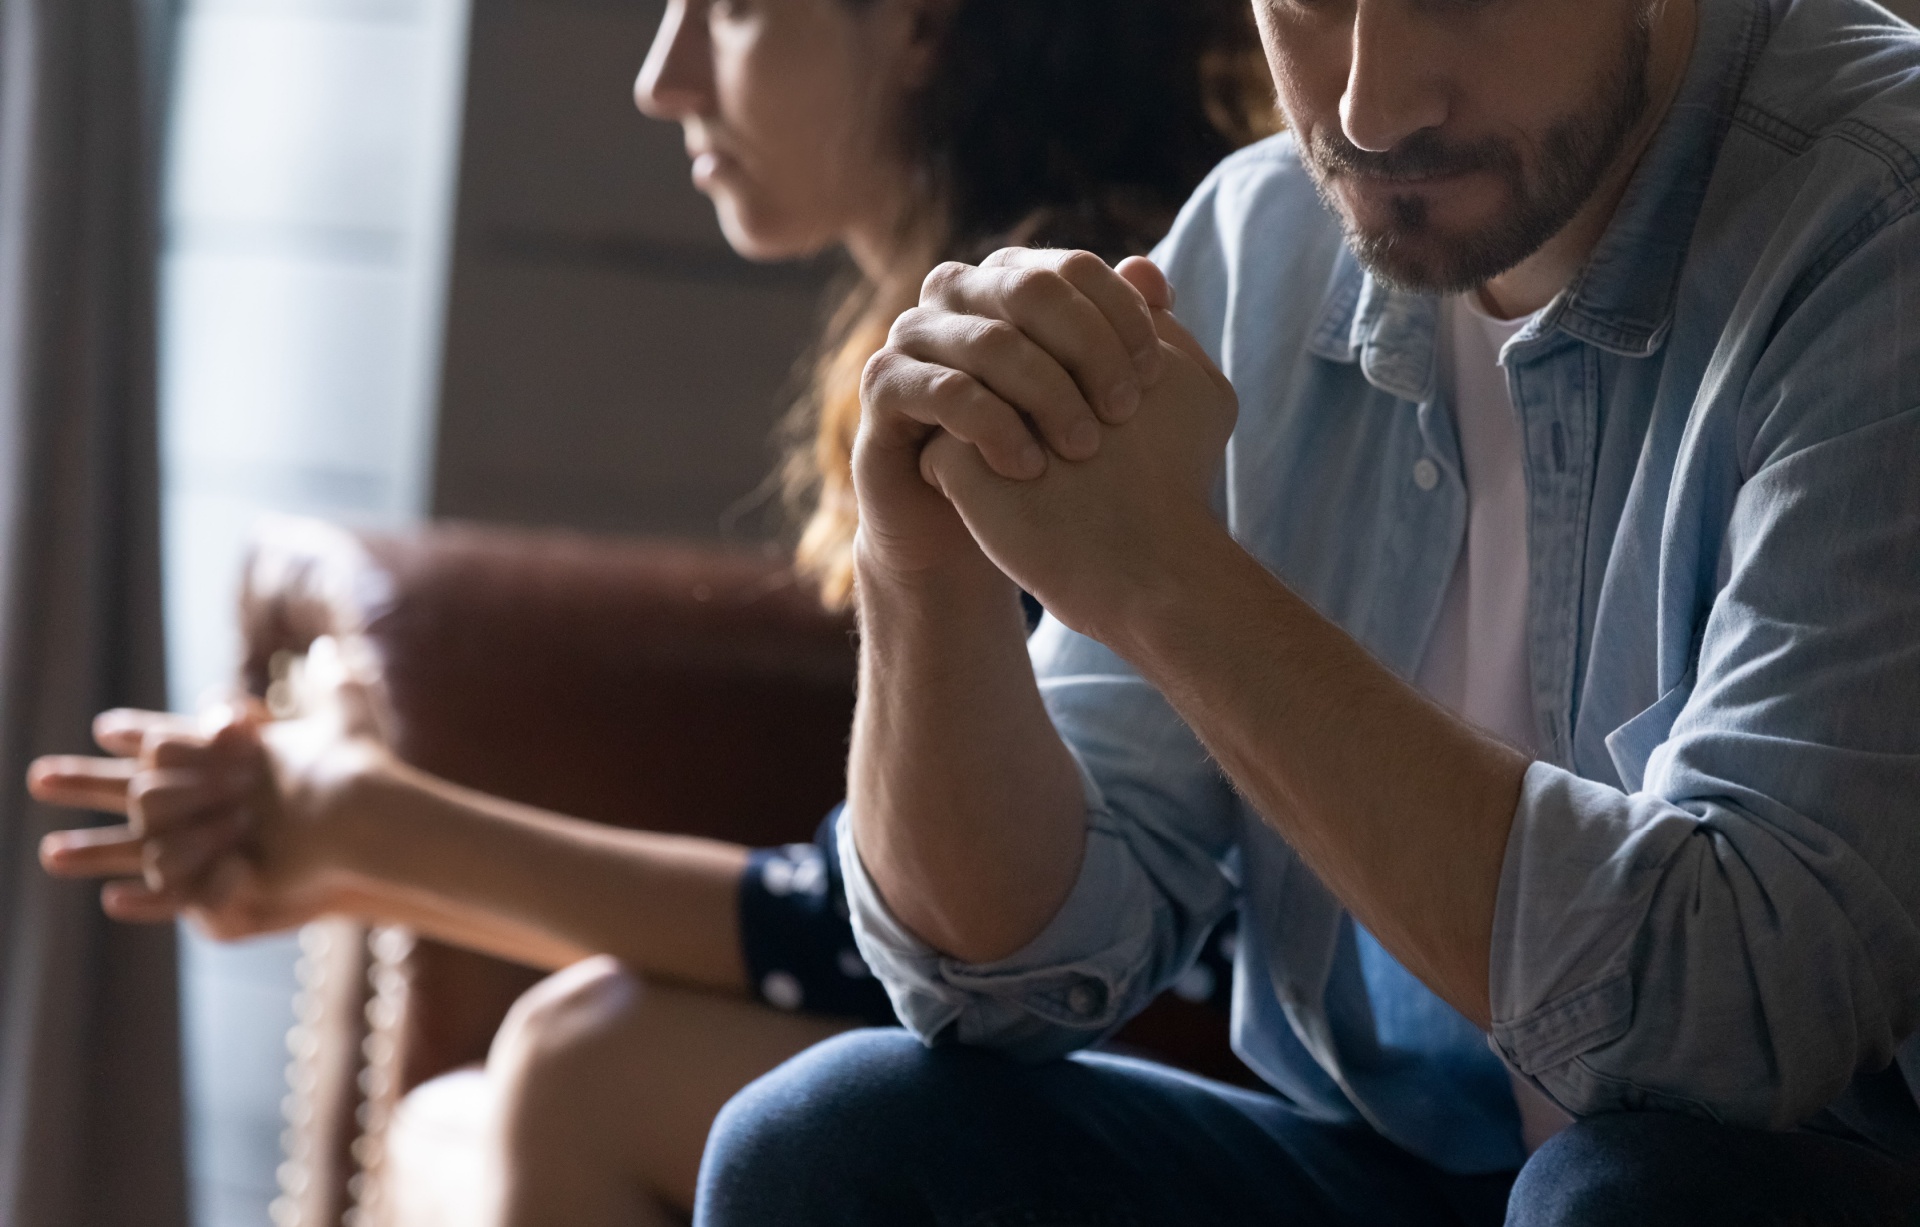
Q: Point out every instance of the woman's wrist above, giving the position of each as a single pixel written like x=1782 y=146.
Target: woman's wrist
x=344 y=792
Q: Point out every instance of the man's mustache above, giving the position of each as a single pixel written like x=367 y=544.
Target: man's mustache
x=1424 y=155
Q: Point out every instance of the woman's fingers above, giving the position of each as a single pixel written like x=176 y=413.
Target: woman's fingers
x=177 y=863
x=77 y=782
x=92 y=852
x=135 y=902
x=124 y=730
x=160 y=802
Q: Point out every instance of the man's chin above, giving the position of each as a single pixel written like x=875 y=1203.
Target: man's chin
x=1424 y=264
x=1428 y=242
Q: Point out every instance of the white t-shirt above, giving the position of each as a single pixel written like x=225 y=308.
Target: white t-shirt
x=1477 y=665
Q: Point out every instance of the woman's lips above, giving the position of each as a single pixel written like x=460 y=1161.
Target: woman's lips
x=706 y=167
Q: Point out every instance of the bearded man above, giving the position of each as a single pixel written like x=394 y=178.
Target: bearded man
x=1536 y=666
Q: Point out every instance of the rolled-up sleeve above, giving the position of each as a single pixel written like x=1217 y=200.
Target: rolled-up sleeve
x=1734 y=934
x=1153 y=882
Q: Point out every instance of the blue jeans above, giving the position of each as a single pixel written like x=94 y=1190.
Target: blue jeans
x=874 y=1130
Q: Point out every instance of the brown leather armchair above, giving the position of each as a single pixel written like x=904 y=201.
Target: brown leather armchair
x=639 y=683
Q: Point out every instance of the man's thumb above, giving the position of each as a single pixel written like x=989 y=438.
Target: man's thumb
x=1145 y=276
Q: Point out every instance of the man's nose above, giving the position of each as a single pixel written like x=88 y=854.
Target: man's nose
x=677 y=79
x=1393 y=88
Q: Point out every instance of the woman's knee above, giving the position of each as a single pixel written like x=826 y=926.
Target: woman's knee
x=560 y=1030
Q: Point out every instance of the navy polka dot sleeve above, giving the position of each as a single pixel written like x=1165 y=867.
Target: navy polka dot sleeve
x=798 y=942
x=796 y=936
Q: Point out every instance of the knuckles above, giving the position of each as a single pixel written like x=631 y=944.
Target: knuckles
x=1036 y=289
x=881 y=374
x=1075 y=265
x=943 y=280
x=949 y=386
x=908 y=326
x=997 y=337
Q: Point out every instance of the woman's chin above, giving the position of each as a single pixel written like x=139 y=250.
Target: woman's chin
x=765 y=244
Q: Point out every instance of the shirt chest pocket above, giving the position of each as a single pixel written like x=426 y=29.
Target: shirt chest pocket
x=1631 y=745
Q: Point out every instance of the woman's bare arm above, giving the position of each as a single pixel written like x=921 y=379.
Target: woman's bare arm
x=252 y=840
x=542 y=888
x=469 y=928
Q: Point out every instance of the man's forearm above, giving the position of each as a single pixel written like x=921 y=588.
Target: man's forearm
x=968 y=811
x=1402 y=809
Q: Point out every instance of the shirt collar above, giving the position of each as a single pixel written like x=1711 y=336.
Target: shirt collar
x=1623 y=300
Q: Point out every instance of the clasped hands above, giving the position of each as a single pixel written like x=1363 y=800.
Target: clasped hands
x=1048 y=412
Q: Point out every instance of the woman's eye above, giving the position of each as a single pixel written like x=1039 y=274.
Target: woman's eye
x=731 y=10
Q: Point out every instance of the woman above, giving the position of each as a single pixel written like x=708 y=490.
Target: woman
x=907 y=132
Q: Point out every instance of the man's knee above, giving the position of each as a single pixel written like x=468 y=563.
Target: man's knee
x=1652 y=1169
x=834 y=1135
x=869 y=1085
x=1585 y=1176
x=560 y=1025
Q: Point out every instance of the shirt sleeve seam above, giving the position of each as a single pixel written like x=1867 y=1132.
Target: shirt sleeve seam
x=1570 y=1024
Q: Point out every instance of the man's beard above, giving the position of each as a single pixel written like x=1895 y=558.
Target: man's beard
x=1574 y=157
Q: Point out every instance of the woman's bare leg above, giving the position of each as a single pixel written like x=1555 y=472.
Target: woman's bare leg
x=606 y=1087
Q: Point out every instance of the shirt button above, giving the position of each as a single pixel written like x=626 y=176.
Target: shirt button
x=1084 y=1000
x=782 y=990
x=1196 y=985
x=1426 y=474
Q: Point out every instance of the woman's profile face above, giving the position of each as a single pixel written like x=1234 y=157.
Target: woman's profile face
x=785 y=105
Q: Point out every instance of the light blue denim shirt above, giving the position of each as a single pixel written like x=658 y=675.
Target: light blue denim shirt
x=1710 y=893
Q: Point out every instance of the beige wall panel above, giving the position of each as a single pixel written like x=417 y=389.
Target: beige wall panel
x=554 y=141
x=610 y=365
x=607 y=401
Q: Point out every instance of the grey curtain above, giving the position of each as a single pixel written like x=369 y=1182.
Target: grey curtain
x=90 y=1103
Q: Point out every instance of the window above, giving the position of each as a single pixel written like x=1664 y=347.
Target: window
x=313 y=146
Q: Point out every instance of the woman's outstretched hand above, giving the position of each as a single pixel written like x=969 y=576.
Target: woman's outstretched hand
x=229 y=816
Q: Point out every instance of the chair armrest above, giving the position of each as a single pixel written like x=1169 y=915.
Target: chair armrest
x=639 y=683
x=645 y=684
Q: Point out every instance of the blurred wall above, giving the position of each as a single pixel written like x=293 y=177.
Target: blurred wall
x=610 y=363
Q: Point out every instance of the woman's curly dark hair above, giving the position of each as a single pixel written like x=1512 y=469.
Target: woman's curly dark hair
x=1045 y=123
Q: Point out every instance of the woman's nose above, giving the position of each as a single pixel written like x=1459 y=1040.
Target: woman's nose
x=1391 y=91
x=676 y=81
